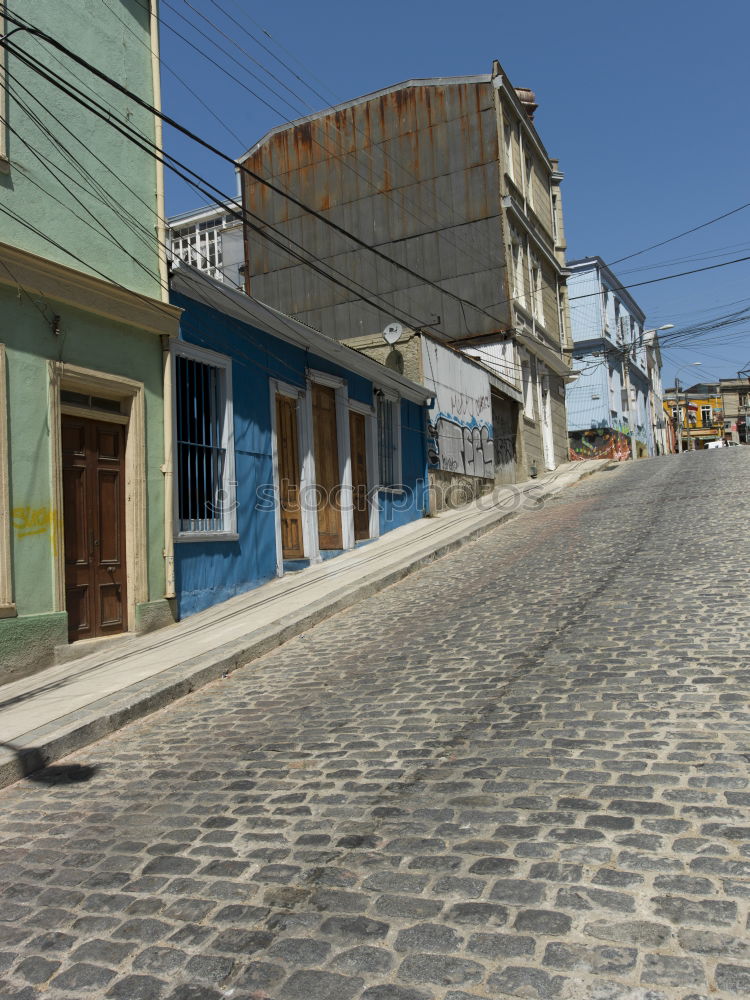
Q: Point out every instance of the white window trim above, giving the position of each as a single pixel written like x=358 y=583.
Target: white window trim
x=508 y=144
x=371 y=445
x=310 y=545
x=341 y=388
x=527 y=388
x=398 y=488
x=7 y=603
x=537 y=289
x=224 y=363
x=528 y=181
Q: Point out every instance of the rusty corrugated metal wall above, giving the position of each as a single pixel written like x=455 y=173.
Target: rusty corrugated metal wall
x=412 y=171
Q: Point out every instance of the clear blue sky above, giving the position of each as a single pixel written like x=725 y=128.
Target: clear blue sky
x=644 y=104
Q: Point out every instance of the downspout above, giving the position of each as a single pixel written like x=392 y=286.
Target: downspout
x=161 y=235
x=168 y=470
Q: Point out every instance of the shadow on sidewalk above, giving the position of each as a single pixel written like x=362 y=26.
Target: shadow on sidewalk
x=34 y=767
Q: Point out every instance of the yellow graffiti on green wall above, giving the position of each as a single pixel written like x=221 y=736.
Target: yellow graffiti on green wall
x=29 y=521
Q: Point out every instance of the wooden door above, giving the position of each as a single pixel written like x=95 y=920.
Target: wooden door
x=287 y=447
x=94 y=527
x=328 y=491
x=359 y=475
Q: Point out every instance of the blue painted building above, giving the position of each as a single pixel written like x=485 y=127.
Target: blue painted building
x=289 y=447
x=609 y=404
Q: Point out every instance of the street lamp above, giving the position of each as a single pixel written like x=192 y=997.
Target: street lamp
x=690 y=364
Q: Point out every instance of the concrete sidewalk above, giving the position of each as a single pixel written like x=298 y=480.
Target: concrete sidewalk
x=50 y=714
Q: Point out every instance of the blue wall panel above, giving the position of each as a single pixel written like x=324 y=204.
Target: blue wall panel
x=209 y=572
x=400 y=508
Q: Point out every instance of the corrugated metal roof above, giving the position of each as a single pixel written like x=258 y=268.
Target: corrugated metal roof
x=436 y=81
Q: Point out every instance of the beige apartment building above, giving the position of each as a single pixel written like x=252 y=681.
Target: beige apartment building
x=459 y=250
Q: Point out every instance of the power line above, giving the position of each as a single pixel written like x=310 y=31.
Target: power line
x=666 y=277
x=152 y=150
x=467 y=248
x=241 y=167
x=679 y=236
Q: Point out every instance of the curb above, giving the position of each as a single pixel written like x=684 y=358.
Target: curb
x=113 y=712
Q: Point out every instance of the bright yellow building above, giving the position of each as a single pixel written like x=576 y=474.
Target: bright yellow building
x=701 y=416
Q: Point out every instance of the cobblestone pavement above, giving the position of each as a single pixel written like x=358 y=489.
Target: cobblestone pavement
x=522 y=772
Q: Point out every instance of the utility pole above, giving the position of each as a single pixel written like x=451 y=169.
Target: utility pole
x=687 y=420
x=678 y=420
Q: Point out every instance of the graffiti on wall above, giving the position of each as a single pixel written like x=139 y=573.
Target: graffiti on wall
x=460 y=420
x=599 y=444
x=30 y=521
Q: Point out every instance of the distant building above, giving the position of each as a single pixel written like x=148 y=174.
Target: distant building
x=210 y=239
x=662 y=428
x=450 y=178
x=697 y=415
x=614 y=401
x=735 y=396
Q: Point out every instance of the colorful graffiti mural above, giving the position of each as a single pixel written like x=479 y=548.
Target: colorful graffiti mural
x=606 y=443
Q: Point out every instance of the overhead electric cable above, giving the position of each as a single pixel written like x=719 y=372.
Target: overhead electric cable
x=244 y=169
x=679 y=236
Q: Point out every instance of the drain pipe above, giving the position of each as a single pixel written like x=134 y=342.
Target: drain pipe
x=168 y=470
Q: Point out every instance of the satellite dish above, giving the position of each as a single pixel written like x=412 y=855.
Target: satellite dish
x=393 y=333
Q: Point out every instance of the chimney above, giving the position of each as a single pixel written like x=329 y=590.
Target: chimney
x=528 y=99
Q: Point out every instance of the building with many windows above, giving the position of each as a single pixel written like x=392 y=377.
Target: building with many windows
x=613 y=407
x=210 y=239
x=449 y=181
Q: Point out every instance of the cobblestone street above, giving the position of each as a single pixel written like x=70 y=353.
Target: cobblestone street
x=523 y=771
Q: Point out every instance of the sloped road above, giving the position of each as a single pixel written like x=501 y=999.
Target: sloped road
x=524 y=772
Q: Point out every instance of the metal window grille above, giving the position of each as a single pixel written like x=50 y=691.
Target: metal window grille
x=201 y=455
x=387 y=444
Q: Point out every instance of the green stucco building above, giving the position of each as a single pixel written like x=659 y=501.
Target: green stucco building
x=85 y=535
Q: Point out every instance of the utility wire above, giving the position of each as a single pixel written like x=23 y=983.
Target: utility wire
x=679 y=236
x=224 y=156
x=467 y=249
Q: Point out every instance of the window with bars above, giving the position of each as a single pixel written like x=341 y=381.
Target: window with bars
x=389 y=441
x=205 y=444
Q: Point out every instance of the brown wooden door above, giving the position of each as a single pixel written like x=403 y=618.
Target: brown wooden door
x=94 y=527
x=328 y=491
x=287 y=446
x=359 y=475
